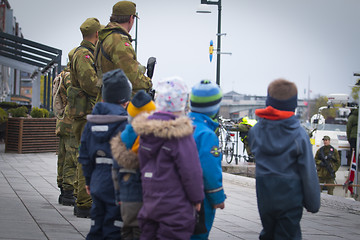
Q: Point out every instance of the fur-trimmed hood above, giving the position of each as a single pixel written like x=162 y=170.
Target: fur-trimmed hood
x=163 y=125
x=124 y=157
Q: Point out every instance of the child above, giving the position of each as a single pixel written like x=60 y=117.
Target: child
x=286 y=178
x=171 y=174
x=124 y=148
x=107 y=119
x=205 y=101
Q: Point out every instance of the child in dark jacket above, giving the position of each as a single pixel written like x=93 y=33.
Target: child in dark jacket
x=286 y=178
x=107 y=119
x=124 y=148
x=171 y=174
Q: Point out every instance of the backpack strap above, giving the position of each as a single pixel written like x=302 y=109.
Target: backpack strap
x=107 y=56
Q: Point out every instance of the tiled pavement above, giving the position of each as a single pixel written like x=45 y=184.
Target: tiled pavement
x=29 y=208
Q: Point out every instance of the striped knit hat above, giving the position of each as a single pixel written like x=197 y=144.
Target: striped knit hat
x=205 y=98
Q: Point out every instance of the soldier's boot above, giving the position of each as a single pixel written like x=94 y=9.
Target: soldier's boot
x=68 y=198
x=75 y=209
x=60 y=199
x=83 y=212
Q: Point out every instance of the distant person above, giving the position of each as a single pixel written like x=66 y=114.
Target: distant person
x=244 y=126
x=124 y=148
x=170 y=169
x=205 y=101
x=286 y=179
x=352 y=131
x=82 y=98
x=327 y=163
x=115 y=50
x=106 y=120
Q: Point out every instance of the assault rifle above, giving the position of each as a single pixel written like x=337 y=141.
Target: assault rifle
x=326 y=164
x=150 y=72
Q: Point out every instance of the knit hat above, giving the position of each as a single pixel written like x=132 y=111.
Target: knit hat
x=282 y=95
x=90 y=26
x=116 y=87
x=141 y=102
x=171 y=95
x=205 y=98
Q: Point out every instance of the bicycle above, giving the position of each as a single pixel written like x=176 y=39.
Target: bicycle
x=226 y=142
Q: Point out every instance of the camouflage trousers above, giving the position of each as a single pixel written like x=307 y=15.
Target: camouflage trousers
x=83 y=199
x=327 y=180
x=67 y=163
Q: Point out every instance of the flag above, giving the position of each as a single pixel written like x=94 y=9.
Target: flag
x=352 y=174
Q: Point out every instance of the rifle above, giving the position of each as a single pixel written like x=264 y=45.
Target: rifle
x=328 y=167
x=150 y=72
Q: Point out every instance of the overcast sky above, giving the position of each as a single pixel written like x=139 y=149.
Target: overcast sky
x=316 y=41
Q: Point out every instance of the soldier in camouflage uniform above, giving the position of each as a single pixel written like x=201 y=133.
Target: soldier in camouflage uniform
x=114 y=49
x=327 y=163
x=82 y=98
x=67 y=145
x=244 y=126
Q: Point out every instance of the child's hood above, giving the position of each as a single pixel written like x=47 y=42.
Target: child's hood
x=275 y=137
x=105 y=119
x=163 y=125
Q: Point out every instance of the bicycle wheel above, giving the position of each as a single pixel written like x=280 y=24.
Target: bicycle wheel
x=228 y=153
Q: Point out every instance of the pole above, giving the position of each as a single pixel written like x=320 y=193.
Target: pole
x=357 y=150
x=136 y=34
x=218 y=52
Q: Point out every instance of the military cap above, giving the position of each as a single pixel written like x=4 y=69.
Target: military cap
x=326 y=138
x=124 y=8
x=90 y=26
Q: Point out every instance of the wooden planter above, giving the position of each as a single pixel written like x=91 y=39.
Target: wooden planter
x=31 y=135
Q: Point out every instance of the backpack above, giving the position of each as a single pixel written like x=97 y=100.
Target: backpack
x=58 y=102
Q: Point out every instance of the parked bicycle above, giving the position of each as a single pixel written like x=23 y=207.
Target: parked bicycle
x=226 y=140
x=228 y=143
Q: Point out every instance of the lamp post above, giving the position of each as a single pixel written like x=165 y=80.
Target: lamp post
x=218 y=47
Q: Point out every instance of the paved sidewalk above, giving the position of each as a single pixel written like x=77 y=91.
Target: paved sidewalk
x=29 y=208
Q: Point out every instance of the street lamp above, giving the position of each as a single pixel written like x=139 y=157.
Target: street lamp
x=218 y=49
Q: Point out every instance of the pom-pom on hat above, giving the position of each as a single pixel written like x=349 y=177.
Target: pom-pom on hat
x=116 y=87
x=171 y=95
x=205 y=98
x=282 y=95
x=141 y=102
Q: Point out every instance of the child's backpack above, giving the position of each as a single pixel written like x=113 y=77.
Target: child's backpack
x=58 y=100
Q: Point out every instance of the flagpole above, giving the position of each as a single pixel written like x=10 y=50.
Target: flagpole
x=357 y=148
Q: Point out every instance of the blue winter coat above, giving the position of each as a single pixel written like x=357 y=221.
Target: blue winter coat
x=286 y=175
x=210 y=156
x=129 y=177
x=106 y=120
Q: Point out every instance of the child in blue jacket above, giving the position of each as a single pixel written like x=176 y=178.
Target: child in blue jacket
x=205 y=101
x=107 y=119
x=286 y=177
x=124 y=148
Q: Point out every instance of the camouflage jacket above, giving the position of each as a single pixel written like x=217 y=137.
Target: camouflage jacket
x=63 y=126
x=83 y=74
x=330 y=155
x=114 y=50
